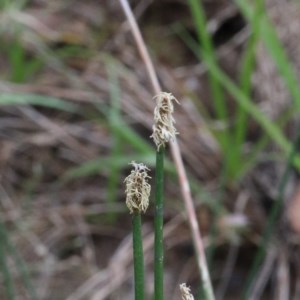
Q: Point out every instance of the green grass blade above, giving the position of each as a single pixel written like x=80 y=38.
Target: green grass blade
x=16 y=57
x=116 y=151
x=127 y=135
x=131 y=137
x=100 y=164
x=248 y=65
x=120 y=128
x=275 y=48
x=273 y=131
x=40 y=100
x=207 y=47
x=251 y=108
x=215 y=88
x=270 y=128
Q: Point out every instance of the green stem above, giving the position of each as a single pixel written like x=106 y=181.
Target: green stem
x=138 y=257
x=7 y=280
x=158 y=223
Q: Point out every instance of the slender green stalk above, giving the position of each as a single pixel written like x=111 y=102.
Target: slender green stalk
x=138 y=257
x=137 y=200
x=7 y=280
x=158 y=223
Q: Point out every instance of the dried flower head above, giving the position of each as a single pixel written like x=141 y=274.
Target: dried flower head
x=163 y=128
x=137 y=188
x=185 y=292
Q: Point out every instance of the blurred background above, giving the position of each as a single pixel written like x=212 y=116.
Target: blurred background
x=76 y=108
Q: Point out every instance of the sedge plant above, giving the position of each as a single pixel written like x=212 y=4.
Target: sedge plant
x=137 y=200
x=177 y=157
x=163 y=132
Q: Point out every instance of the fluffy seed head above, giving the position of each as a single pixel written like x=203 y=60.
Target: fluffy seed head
x=185 y=292
x=163 y=128
x=137 y=188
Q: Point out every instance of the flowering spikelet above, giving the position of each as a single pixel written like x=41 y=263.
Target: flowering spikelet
x=185 y=292
x=137 y=188
x=163 y=128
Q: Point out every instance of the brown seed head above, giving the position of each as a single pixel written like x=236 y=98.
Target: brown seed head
x=137 y=188
x=163 y=128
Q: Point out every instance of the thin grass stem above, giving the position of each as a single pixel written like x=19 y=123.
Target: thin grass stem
x=158 y=223
x=138 y=257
